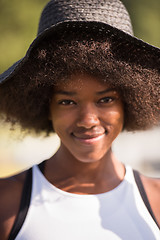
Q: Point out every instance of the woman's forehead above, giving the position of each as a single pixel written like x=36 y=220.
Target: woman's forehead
x=81 y=81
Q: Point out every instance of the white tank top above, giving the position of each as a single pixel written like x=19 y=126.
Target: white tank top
x=54 y=214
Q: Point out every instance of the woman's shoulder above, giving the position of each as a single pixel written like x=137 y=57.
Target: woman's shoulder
x=11 y=184
x=10 y=192
x=152 y=186
x=152 y=189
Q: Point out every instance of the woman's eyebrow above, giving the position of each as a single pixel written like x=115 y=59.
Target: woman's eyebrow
x=106 y=91
x=62 y=92
x=70 y=93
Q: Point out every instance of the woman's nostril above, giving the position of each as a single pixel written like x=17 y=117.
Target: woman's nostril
x=87 y=121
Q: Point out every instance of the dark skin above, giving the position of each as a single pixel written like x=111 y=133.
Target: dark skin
x=84 y=163
x=10 y=191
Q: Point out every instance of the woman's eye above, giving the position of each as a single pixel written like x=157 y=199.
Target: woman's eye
x=66 y=102
x=106 y=100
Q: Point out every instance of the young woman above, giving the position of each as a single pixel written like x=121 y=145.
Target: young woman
x=86 y=78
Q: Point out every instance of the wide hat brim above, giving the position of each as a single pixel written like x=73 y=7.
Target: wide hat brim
x=134 y=49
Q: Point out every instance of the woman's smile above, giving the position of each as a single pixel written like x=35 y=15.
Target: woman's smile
x=90 y=138
x=87 y=115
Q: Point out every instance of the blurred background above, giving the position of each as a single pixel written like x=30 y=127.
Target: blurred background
x=18 y=28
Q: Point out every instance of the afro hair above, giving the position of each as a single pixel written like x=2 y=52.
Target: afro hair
x=25 y=99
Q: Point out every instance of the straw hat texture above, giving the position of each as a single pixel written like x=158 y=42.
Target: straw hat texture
x=107 y=17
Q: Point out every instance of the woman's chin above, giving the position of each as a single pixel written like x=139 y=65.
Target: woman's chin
x=91 y=158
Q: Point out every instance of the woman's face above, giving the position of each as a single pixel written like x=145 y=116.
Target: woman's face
x=87 y=115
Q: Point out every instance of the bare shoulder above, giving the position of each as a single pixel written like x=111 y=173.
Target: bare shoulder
x=152 y=188
x=151 y=185
x=10 y=185
x=10 y=196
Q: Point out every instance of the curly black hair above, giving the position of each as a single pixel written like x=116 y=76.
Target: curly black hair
x=25 y=99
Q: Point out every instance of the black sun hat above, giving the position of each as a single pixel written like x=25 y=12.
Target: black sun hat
x=107 y=17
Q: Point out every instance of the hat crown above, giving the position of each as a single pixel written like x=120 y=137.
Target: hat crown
x=111 y=12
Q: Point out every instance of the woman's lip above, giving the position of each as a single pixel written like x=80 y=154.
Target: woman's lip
x=89 y=139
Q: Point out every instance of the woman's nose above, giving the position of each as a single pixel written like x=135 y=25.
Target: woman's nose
x=87 y=117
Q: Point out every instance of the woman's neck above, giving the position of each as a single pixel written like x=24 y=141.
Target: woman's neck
x=72 y=175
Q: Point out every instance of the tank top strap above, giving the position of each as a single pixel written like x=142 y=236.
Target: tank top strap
x=143 y=194
x=24 y=206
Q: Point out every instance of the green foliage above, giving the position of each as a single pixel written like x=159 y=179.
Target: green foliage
x=18 y=28
x=19 y=20
x=145 y=19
